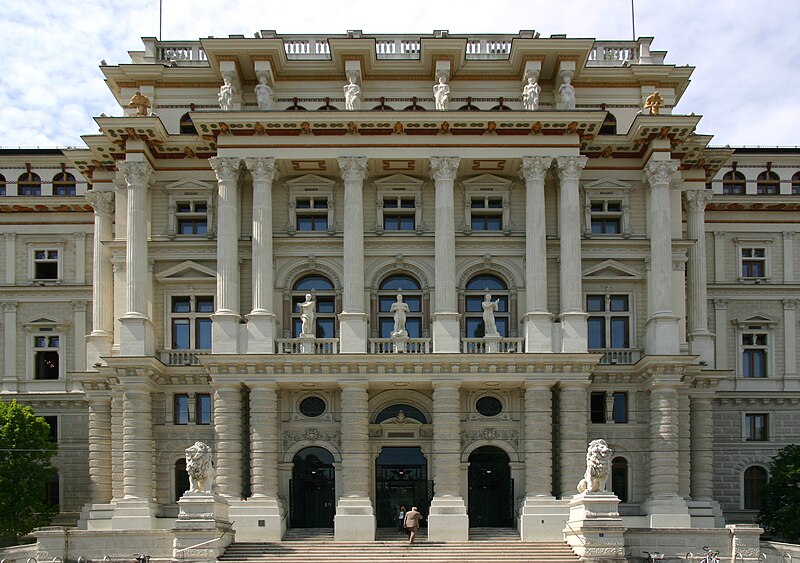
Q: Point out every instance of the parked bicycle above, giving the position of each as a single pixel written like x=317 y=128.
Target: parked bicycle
x=710 y=555
x=653 y=556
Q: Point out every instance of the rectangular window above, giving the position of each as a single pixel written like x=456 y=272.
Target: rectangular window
x=312 y=214
x=754 y=354
x=486 y=213
x=597 y=407
x=202 y=409
x=606 y=217
x=64 y=189
x=191 y=217
x=29 y=189
x=52 y=422
x=756 y=427
x=609 y=321
x=399 y=213
x=181 y=409
x=190 y=322
x=45 y=264
x=754 y=262
x=620 y=407
x=46 y=357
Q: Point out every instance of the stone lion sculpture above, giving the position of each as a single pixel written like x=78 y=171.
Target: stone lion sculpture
x=200 y=468
x=598 y=467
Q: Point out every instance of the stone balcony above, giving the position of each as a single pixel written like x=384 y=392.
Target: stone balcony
x=622 y=356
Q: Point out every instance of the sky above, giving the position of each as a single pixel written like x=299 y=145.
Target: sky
x=745 y=85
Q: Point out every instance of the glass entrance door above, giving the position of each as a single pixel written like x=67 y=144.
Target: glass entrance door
x=401 y=478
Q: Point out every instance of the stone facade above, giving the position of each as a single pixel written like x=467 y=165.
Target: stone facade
x=625 y=313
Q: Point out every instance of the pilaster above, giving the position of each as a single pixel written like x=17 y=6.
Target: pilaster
x=721 y=342
x=791 y=382
x=99 y=342
x=11 y=258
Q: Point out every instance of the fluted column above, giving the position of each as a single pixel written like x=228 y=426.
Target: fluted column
x=538 y=319
x=573 y=317
x=225 y=328
x=573 y=422
x=446 y=330
x=99 y=446
x=355 y=519
x=353 y=319
x=261 y=320
x=228 y=438
x=701 y=340
x=98 y=343
x=538 y=442
x=702 y=453
x=661 y=335
x=136 y=337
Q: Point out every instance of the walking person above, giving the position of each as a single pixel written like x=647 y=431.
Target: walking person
x=401 y=518
x=412 y=520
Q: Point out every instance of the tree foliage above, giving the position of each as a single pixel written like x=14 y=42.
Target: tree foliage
x=25 y=470
x=780 y=504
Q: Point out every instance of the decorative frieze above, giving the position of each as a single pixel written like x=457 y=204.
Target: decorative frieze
x=509 y=436
x=328 y=435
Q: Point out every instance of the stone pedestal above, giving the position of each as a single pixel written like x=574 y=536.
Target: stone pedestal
x=354 y=520
x=702 y=345
x=98 y=345
x=134 y=514
x=307 y=343
x=136 y=336
x=594 y=530
x=667 y=512
x=258 y=519
x=448 y=520
x=662 y=335
x=202 y=530
x=574 y=333
x=399 y=342
x=492 y=343
x=542 y=519
x=225 y=333
x=446 y=333
x=260 y=333
x=353 y=332
x=538 y=332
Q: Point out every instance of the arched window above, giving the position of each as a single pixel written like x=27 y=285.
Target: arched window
x=755 y=478
x=414 y=106
x=768 y=183
x=382 y=106
x=408 y=411
x=187 y=126
x=2 y=185
x=796 y=183
x=476 y=291
x=29 y=183
x=322 y=290
x=181 y=478
x=328 y=106
x=733 y=183
x=501 y=105
x=619 y=478
x=64 y=184
x=295 y=105
x=609 y=126
x=469 y=106
x=409 y=288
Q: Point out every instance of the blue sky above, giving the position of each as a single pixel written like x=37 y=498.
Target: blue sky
x=746 y=83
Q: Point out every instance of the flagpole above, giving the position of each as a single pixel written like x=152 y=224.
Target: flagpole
x=160 y=12
x=633 y=21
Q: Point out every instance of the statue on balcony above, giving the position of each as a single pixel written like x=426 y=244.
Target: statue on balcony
x=308 y=311
x=399 y=310
x=489 y=307
x=141 y=104
x=225 y=96
x=567 y=93
x=200 y=468
x=263 y=94
x=653 y=103
x=441 y=93
x=352 y=91
x=530 y=94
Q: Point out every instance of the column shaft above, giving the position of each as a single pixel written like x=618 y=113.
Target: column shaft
x=263 y=172
x=684 y=446
x=264 y=439
x=663 y=441
x=99 y=448
x=228 y=431
x=534 y=171
x=697 y=287
x=444 y=170
x=102 y=271
x=227 y=170
x=659 y=287
x=573 y=428
x=702 y=447
x=137 y=443
x=137 y=300
x=569 y=230
x=446 y=438
x=355 y=439
x=538 y=442
x=353 y=172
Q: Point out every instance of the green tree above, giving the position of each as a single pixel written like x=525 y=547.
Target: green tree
x=25 y=470
x=780 y=503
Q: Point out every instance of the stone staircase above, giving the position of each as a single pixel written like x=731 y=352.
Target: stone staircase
x=486 y=545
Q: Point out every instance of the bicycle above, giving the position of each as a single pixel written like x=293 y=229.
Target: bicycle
x=653 y=556
x=710 y=555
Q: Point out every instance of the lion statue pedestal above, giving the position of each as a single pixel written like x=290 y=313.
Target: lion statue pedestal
x=595 y=531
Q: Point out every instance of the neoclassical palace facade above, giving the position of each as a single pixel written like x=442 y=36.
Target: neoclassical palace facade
x=645 y=286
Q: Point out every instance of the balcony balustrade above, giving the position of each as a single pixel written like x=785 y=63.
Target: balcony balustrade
x=626 y=356
x=409 y=346
x=182 y=357
x=308 y=346
x=482 y=346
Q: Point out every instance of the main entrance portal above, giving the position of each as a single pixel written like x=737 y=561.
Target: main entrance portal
x=401 y=478
x=491 y=489
x=313 y=494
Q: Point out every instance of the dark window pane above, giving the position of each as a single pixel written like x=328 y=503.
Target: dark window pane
x=595 y=303
x=597 y=333
x=312 y=407
x=619 y=333
x=473 y=303
x=325 y=328
x=597 y=407
x=489 y=406
x=181 y=305
x=619 y=478
x=203 y=409
x=180 y=334
x=414 y=327
x=46 y=271
x=620 y=409
x=203 y=334
x=485 y=282
x=181 y=409
x=305 y=223
x=46 y=365
x=414 y=303
x=326 y=305
x=313 y=282
x=387 y=326
x=619 y=303
x=52 y=422
x=181 y=476
x=475 y=328
x=204 y=304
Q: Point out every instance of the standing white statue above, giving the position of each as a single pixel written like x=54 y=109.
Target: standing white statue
x=200 y=468
x=530 y=94
x=441 y=93
x=567 y=93
x=263 y=94
x=399 y=310
x=225 y=96
x=307 y=314
x=352 y=91
x=489 y=307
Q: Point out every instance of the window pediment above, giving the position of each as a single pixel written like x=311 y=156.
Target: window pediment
x=189 y=185
x=187 y=272
x=611 y=269
x=766 y=321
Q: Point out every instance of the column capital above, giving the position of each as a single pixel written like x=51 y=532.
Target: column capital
x=788 y=235
x=353 y=168
x=659 y=172
x=570 y=167
x=698 y=199
x=262 y=168
x=444 y=167
x=535 y=167
x=102 y=202
x=226 y=167
x=9 y=306
x=789 y=304
x=10 y=236
x=135 y=173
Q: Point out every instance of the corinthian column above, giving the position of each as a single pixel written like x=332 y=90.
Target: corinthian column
x=355 y=519
x=573 y=317
x=353 y=319
x=225 y=328
x=661 y=334
x=136 y=331
x=446 y=330
x=538 y=320
x=701 y=340
x=98 y=343
x=448 y=514
x=261 y=320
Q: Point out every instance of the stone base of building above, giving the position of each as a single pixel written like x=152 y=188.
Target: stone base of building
x=667 y=512
x=134 y=514
x=595 y=531
x=354 y=520
x=96 y=516
x=258 y=519
x=542 y=519
x=203 y=530
x=448 y=520
x=706 y=514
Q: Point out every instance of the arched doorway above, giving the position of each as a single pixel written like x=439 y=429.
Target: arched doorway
x=401 y=478
x=313 y=491
x=491 y=488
